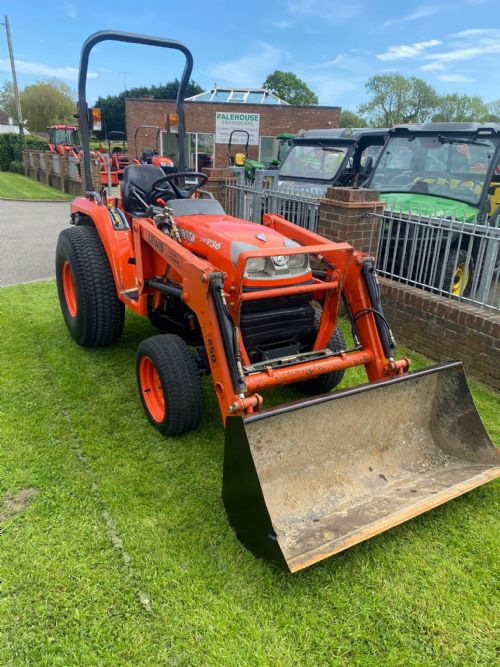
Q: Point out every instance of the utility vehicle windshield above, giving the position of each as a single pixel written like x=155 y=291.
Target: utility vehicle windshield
x=63 y=135
x=315 y=162
x=441 y=166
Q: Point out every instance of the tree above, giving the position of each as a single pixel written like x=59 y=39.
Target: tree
x=46 y=103
x=7 y=100
x=397 y=99
x=351 y=119
x=460 y=108
x=113 y=106
x=493 y=112
x=290 y=88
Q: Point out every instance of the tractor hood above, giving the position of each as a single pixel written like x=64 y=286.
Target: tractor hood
x=438 y=207
x=221 y=239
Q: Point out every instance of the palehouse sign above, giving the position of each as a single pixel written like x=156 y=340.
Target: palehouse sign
x=226 y=122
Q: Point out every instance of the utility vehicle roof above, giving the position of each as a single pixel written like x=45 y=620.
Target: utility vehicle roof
x=446 y=128
x=350 y=134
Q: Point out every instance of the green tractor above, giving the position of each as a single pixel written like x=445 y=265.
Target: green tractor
x=250 y=166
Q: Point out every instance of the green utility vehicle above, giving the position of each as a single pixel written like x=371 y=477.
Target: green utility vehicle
x=439 y=171
x=319 y=159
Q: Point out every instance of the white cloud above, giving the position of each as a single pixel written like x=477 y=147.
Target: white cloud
x=335 y=91
x=419 y=13
x=39 y=69
x=250 y=70
x=70 y=10
x=407 y=50
x=455 y=78
x=338 y=60
x=326 y=10
x=282 y=25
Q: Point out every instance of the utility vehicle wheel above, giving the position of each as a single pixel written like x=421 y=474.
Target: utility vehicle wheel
x=90 y=306
x=169 y=384
x=328 y=381
x=456 y=279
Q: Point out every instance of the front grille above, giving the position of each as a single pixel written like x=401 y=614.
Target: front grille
x=286 y=319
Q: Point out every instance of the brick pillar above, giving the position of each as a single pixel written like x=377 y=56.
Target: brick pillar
x=26 y=163
x=342 y=217
x=36 y=164
x=64 y=162
x=217 y=178
x=96 y=174
x=49 y=166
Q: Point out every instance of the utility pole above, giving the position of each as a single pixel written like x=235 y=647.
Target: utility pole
x=124 y=81
x=14 y=78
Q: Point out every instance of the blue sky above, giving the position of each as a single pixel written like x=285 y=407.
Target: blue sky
x=334 y=46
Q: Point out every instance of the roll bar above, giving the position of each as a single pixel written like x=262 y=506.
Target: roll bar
x=82 y=106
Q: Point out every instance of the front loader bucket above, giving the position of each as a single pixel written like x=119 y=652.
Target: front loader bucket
x=306 y=480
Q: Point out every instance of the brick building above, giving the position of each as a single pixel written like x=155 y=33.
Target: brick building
x=211 y=116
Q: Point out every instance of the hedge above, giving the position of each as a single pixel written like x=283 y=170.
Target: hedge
x=12 y=146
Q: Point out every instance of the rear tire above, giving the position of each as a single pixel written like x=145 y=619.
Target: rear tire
x=324 y=383
x=90 y=306
x=454 y=278
x=169 y=384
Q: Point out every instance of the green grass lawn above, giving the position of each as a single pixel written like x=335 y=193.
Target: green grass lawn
x=15 y=186
x=123 y=515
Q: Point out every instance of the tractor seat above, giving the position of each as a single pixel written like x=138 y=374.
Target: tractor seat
x=138 y=177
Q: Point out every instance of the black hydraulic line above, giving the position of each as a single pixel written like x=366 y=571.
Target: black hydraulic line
x=386 y=338
x=228 y=336
x=82 y=107
x=170 y=290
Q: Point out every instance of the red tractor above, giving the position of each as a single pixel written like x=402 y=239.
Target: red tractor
x=64 y=139
x=256 y=307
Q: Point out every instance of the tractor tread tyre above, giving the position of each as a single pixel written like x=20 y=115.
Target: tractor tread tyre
x=325 y=383
x=99 y=312
x=180 y=381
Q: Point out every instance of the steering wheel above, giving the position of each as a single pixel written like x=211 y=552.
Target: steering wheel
x=405 y=178
x=180 y=193
x=469 y=184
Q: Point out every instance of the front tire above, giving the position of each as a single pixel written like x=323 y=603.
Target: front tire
x=90 y=306
x=169 y=384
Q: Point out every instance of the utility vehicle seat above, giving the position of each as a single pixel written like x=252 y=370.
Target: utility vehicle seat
x=138 y=177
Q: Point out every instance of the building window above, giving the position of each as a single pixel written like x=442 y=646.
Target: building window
x=238 y=96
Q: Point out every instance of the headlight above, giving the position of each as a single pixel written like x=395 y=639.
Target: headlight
x=255 y=264
x=297 y=261
x=280 y=261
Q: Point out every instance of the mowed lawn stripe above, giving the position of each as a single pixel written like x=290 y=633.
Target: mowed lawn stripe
x=424 y=593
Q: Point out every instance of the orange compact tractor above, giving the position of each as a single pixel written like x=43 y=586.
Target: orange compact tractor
x=64 y=139
x=255 y=307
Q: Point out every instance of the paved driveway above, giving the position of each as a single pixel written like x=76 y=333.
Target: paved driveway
x=28 y=237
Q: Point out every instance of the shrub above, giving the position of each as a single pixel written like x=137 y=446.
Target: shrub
x=16 y=166
x=12 y=146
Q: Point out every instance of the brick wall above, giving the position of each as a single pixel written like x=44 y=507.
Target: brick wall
x=200 y=117
x=444 y=329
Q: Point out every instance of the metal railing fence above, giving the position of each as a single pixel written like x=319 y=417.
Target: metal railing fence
x=457 y=259
x=250 y=200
